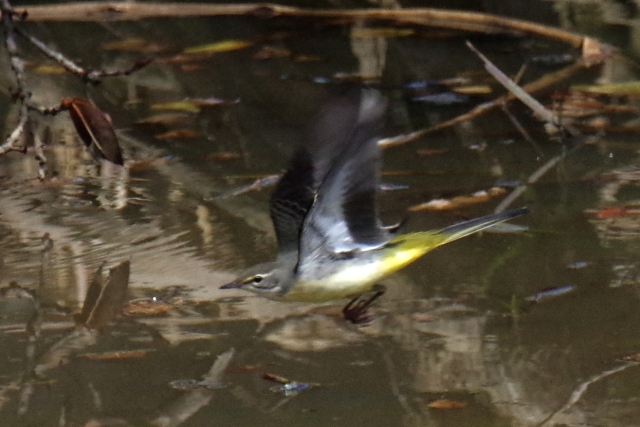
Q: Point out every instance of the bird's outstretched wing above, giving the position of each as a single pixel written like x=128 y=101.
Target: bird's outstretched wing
x=344 y=216
x=324 y=142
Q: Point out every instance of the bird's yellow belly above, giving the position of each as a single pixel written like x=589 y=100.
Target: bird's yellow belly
x=356 y=277
x=348 y=282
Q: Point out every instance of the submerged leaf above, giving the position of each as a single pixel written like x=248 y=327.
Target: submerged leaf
x=95 y=129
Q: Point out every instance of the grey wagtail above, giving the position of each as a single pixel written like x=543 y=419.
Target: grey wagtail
x=331 y=242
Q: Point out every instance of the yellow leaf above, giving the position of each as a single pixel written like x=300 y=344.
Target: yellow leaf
x=49 y=69
x=218 y=47
x=186 y=106
x=473 y=90
x=619 y=89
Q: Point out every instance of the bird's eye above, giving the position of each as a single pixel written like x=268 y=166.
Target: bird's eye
x=257 y=279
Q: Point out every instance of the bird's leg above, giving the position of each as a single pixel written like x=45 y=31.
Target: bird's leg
x=356 y=310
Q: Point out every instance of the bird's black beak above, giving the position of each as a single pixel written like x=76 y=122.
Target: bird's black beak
x=232 y=285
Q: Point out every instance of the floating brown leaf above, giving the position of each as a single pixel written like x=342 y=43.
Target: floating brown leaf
x=179 y=134
x=431 y=152
x=446 y=404
x=93 y=293
x=111 y=298
x=269 y=52
x=221 y=157
x=147 y=307
x=617 y=212
x=456 y=202
x=244 y=368
x=95 y=129
x=135 y=45
x=116 y=355
x=166 y=119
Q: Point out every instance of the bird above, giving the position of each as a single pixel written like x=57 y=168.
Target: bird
x=331 y=242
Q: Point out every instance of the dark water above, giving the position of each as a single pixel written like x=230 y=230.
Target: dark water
x=504 y=329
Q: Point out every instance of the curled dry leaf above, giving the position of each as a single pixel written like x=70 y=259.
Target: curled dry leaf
x=593 y=52
x=95 y=128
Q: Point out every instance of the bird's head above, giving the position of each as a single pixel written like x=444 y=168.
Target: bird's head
x=263 y=279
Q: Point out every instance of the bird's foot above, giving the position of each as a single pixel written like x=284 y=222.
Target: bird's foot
x=356 y=310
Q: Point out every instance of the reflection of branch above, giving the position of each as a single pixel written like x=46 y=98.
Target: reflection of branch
x=582 y=388
x=187 y=405
x=539 y=173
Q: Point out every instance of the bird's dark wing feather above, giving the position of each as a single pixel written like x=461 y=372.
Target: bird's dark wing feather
x=296 y=191
x=344 y=216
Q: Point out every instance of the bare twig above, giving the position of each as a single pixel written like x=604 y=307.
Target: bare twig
x=538 y=109
x=452 y=19
x=92 y=76
x=21 y=93
x=536 y=85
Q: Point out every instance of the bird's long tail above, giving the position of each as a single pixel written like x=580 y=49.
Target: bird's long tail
x=406 y=248
x=463 y=229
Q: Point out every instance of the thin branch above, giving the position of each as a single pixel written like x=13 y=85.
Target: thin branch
x=534 y=86
x=92 y=76
x=21 y=93
x=452 y=19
